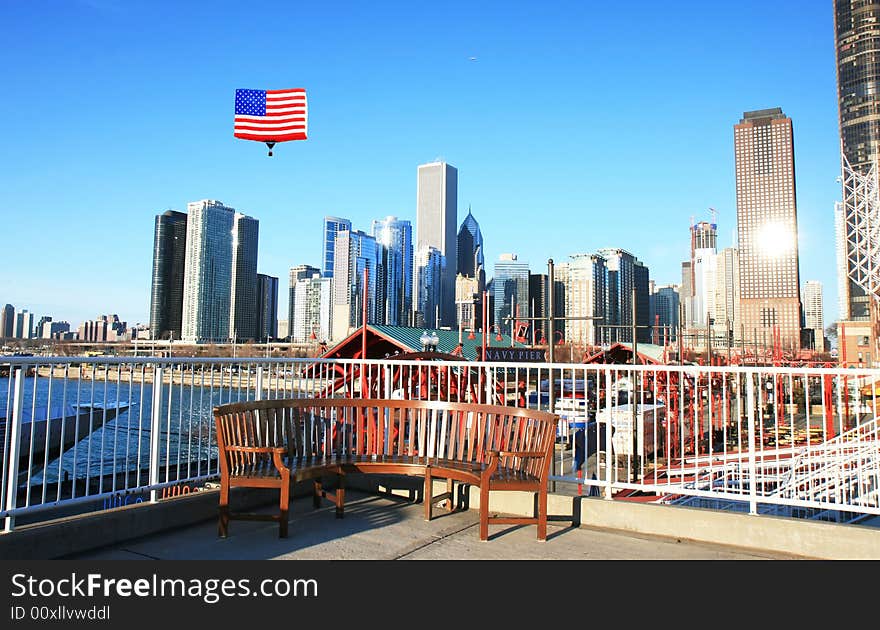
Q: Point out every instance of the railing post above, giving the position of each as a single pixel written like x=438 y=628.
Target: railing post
x=155 y=427
x=14 y=450
x=750 y=402
x=259 y=393
x=609 y=422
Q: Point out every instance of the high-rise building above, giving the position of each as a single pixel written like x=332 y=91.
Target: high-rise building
x=7 y=321
x=310 y=316
x=436 y=222
x=243 y=314
x=665 y=301
x=727 y=297
x=267 y=307
x=813 y=316
x=857 y=43
x=641 y=285
x=207 y=283
x=356 y=252
x=539 y=304
x=430 y=265
x=166 y=297
x=704 y=239
x=332 y=226
x=470 y=249
x=511 y=289
x=394 y=284
x=468 y=303
x=625 y=274
x=767 y=228
x=297 y=273
x=586 y=296
x=24 y=325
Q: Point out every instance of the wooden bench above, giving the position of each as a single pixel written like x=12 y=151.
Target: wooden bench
x=275 y=443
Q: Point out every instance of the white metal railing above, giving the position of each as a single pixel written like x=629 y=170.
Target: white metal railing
x=87 y=433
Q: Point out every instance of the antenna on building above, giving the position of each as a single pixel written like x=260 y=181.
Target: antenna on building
x=714 y=214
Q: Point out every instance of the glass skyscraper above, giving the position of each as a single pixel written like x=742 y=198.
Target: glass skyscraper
x=395 y=280
x=267 y=307
x=166 y=297
x=207 y=283
x=243 y=298
x=511 y=290
x=332 y=226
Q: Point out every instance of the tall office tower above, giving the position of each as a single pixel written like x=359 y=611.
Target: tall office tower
x=267 y=307
x=560 y=300
x=468 y=303
x=813 y=317
x=430 y=267
x=621 y=281
x=511 y=287
x=857 y=40
x=686 y=293
x=395 y=283
x=38 y=328
x=24 y=325
x=704 y=239
x=207 y=278
x=310 y=314
x=642 y=284
x=766 y=216
x=586 y=295
x=539 y=304
x=470 y=249
x=166 y=297
x=7 y=321
x=727 y=298
x=665 y=302
x=355 y=253
x=332 y=226
x=243 y=299
x=436 y=221
x=297 y=273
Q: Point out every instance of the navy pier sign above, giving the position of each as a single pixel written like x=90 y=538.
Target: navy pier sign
x=516 y=355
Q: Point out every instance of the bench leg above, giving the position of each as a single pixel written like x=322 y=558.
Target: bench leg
x=340 y=497
x=223 y=524
x=317 y=493
x=450 y=503
x=542 y=514
x=428 y=492
x=285 y=506
x=484 y=511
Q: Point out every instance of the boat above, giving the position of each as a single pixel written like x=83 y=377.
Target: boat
x=55 y=429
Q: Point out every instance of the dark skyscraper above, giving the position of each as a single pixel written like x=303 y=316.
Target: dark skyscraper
x=470 y=248
x=857 y=39
x=166 y=299
x=245 y=240
x=267 y=306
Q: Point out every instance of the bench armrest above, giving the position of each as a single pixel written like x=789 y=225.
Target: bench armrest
x=495 y=456
x=276 y=451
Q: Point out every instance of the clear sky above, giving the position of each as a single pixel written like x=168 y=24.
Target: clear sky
x=573 y=126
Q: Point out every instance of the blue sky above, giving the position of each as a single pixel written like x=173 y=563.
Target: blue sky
x=576 y=125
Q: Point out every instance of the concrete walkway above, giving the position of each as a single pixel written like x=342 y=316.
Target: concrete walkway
x=390 y=528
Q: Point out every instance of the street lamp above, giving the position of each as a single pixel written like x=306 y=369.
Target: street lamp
x=429 y=341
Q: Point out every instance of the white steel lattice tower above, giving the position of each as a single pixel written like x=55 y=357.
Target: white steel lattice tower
x=861 y=228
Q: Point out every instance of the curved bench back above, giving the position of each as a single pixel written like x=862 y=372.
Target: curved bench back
x=343 y=427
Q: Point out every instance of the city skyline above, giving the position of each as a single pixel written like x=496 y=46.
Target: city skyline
x=558 y=187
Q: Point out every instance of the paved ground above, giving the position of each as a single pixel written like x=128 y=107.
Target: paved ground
x=382 y=528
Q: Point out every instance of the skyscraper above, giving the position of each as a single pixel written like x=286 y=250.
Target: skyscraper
x=297 y=273
x=625 y=274
x=166 y=297
x=857 y=42
x=430 y=266
x=396 y=270
x=24 y=325
x=243 y=297
x=267 y=307
x=355 y=253
x=586 y=295
x=7 y=321
x=207 y=283
x=766 y=213
x=813 y=317
x=470 y=280
x=665 y=302
x=310 y=310
x=511 y=288
x=436 y=222
x=332 y=226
